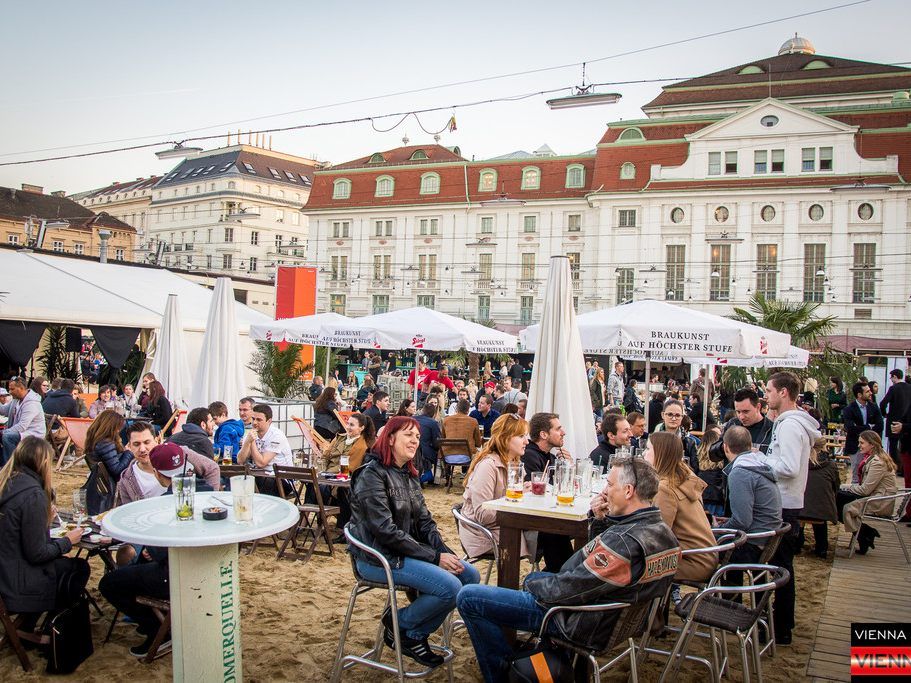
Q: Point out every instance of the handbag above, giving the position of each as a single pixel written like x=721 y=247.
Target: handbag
x=542 y=663
x=70 y=634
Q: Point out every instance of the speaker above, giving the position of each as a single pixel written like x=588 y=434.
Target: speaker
x=73 y=340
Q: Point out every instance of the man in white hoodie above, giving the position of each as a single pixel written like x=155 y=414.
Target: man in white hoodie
x=788 y=456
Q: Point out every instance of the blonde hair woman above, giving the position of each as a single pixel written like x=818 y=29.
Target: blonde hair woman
x=877 y=478
x=486 y=480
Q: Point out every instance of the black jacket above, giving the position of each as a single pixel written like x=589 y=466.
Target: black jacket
x=379 y=419
x=158 y=413
x=823 y=483
x=535 y=460
x=654 y=414
x=28 y=580
x=895 y=404
x=102 y=482
x=62 y=403
x=389 y=514
x=761 y=433
x=854 y=423
x=195 y=438
x=602 y=453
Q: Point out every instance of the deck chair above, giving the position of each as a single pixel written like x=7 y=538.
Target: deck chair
x=172 y=422
x=76 y=430
x=313 y=439
x=314 y=517
x=342 y=416
x=180 y=422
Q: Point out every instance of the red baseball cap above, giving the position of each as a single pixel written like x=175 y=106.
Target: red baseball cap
x=169 y=460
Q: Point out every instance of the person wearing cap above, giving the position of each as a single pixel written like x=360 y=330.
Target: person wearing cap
x=149 y=575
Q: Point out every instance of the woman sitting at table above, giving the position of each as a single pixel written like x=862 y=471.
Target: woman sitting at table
x=352 y=380
x=358 y=438
x=106 y=399
x=366 y=390
x=407 y=408
x=35 y=576
x=486 y=480
x=157 y=409
x=388 y=513
x=325 y=421
x=877 y=478
x=107 y=459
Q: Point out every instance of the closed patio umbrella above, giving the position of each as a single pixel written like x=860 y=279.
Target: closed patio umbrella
x=219 y=373
x=169 y=364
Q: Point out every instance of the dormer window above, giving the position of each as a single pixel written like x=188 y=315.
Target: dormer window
x=341 y=189
x=377 y=159
x=419 y=154
x=817 y=64
x=430 y=183
x=628 y=171
x=750 y=69
x=575 y=176
x=487 y=181
x=531 y=178
x=631 y=134
x=385 y=186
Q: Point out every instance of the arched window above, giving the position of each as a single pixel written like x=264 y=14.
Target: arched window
x=628 y=171
x=575 y=175
x=751 y=69
x=231 y=185
x=377 y=159
x=418 y=155
x=531 y=178
x=817 y=64
x=631 y=134
x=430 y=183
x=341 y=189
x=488 y=180
x=385 y=186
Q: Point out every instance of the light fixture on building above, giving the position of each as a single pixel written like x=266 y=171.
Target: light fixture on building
x=820 y=273
x=583 y=96
x=715 y=273
x=178 y=150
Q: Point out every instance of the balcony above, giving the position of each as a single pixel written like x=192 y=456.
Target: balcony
x=383 y=283
x=483 y=285
x=528 y=285
x=336 y=285
x=577 y=286
x=427 y=284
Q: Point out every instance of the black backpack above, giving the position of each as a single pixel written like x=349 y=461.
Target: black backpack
x=70 y=633
x=538 y=663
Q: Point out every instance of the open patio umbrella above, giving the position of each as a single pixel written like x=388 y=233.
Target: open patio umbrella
x=559 y=383
x=169 y=365
x=301 y=330
x=796 y=358
x=219 y=373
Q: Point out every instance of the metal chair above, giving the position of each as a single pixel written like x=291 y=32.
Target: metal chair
x=772 y=541
x=709 y=608
x=493 y=557
x=900 y=502
x=371 y=658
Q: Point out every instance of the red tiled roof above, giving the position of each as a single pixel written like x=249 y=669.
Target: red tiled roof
x=879 y=145
x=754 y=182
x=898 y=118
x=19 y=204
x=609 y=160
x=657 y=131
x=130 y=186
x=402 y=155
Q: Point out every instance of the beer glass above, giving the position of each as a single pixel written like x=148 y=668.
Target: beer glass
x=584 y=472
x=226 y=455
x=343 y=465
x=564 y=482
x=515 y=481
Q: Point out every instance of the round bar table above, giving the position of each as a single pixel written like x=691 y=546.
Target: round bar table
x=203 y=573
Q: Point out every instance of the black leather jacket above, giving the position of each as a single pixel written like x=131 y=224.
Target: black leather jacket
x=761 y=433
x=388 y=513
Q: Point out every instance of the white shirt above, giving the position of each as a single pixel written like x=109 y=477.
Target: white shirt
x=274 y=441
x=148 y=483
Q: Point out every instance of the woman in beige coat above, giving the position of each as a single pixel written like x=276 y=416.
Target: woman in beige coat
x=877 y=478
x=486 y=480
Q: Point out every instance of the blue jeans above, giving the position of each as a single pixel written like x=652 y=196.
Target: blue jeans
x=485 y=609
x=10 y=441
x=437 y=590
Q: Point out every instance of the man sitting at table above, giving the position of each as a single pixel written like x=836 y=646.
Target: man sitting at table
x=228 y=431
x=616 y=431
x=316 y=388
x=149 y=576
x=485 y=414
x=196 y=434
x=25 y=417
x=636 y=429
x=245 y=411
x=633 y=560
x=379 y=411
x=265 y=446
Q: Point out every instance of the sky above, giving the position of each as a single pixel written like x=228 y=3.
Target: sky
x=120 y=74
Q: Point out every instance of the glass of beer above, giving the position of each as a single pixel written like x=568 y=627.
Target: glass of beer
x=565 y=482
x=226 y=458
x=515 y=481
x=343 y=465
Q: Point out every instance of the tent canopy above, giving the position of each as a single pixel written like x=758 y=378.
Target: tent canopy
x=796 y=358
x=302 y=330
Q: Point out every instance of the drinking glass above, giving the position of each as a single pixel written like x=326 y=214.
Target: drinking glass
x=184 y=490
x=297 y=458
x=227 y=455
x=583 y=472
x=216 y=450
x=515 y=481
x=79 y=513
x=538 y=483
x=242 y=494
x=564 y=482
x=596 y=484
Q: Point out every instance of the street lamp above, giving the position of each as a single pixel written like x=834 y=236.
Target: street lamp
x=178 y=150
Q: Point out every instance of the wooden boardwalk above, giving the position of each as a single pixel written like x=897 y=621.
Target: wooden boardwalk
x=865 y=588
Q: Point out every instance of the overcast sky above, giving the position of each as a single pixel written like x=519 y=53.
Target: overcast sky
x=96 y=72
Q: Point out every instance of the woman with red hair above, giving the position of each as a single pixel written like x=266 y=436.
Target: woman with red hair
x=388 y=513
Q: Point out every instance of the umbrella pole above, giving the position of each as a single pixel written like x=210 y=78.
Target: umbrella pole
x=705 y=399
x=648 y=393
x=417 y=362
x=328 y=353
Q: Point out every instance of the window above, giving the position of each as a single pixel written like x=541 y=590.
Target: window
x=385 y=186
x=118 y=254
x=627 y=171
x=429 y=226
x=675 y=266
x=777 y=161
x=208 y=261
x=529 y=223
x=825 y=158
x=677 y=215
x=526 y=309
x=430 y=183
x=419 y=154
x=574 y=222
x=382 y=228
x=484 y=307
x=427 y=266
x=486 y=225
x=78 y=249
x=279 y=215
x=575 y=259
x=380 y=303
x=528 y=266
x=275 y=173
x=720 y=275
x=341 y=189
x=377 y=159
x=485 y=266
x=337 y=303
x=816 y=212
x=767 y=213
x=760 y=161
x=625 y=285
x=814 y=272
x=627 y=218
x=865 y=211
x=531 y=178
x=864 y=289
x=278 y=241
x=767 y=270
x=249 y=168
x=226 y=261
x=769 y=120
x=12 y=239
x=714 y=163
x=382 y=266
x=631 y=134
x=341 y=229
x=339 y=268
x=254 y=237
x=295 y=218
x=808 y=159
x=487 y=182
x=290 y=176
x=229 y=234
x=426 y=300
x=575 y=175
x=254 y=262
x=730 y=163
x=722 y=214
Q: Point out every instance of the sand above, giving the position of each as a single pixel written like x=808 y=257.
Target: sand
x=292 y=616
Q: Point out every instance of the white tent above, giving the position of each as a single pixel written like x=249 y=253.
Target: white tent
x=796 y=358
x=81 y=293
x=169 y=364
x=219 y=373
x=301 y=330
x=559 y=384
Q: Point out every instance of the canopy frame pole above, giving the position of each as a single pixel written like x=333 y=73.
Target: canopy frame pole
x=417 y=373
x=709 y=373
x=648 y=391
x=328 y=353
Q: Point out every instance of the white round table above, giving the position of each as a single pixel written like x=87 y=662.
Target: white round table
x=203 y=573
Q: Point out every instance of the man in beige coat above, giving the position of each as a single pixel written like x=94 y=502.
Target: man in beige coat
x=461 y=426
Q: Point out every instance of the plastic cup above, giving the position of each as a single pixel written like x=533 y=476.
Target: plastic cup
x=184 y=489
x=242 y=494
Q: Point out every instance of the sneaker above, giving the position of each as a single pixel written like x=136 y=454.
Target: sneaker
x=419 y=651
x=388 y=635
x=143 y=648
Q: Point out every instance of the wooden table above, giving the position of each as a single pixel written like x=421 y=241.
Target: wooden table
x=535 y=513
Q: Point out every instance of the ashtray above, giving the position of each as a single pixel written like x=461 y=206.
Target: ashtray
x=215 y=513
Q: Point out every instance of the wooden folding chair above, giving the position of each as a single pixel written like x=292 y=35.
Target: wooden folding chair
x=180 y=422
x=316 y=442
x=172 y=421
x=342 y=416
x=76 y=430
x=12 y=637
x=313 y=520
x=162 y=610
x=449 y=448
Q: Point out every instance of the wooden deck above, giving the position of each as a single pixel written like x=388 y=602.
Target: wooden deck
x=864 y=588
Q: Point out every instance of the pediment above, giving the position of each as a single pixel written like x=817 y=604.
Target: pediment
x=790 y=121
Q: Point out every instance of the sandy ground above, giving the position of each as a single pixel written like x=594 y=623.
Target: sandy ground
x=293 y=612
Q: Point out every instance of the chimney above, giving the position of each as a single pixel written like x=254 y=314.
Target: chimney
x=35 y=189
x=104 y=236
x=58 y=193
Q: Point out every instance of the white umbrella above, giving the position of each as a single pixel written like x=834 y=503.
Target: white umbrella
x=219 y=373
x=796 y=358
x=559 y=383
x=301 y=330
x=170 y=365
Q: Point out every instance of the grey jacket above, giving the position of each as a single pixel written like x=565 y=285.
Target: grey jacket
x=753 y=495
x=26 y=417
x=793 y=436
